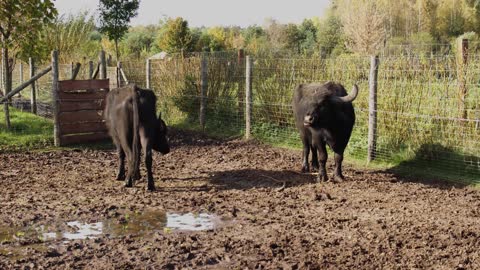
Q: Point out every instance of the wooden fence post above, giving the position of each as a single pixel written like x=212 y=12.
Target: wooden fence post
x=5 y=70
x=33 y=94
x=75 y=70
x=372 y=108
x=90 y=69
x=117 y=74
x=103 y=65
x=148 y=73
x=203 y=90
x=462 y=62
x=20 y=67
x=56 y=128
x=248 y=97
x=240 y=72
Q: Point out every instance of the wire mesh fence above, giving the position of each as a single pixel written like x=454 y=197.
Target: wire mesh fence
x=428 y=108
x=34 y=128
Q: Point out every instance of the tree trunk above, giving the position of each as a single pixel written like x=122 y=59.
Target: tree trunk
x=6 y=84
x=116 y=50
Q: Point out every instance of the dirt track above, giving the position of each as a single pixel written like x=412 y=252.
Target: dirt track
x=373 y=220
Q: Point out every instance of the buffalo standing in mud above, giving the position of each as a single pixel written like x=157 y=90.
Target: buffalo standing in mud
x=324 y=114
x=130 y=115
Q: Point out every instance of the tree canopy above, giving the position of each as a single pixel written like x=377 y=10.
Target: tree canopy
x=115 y=17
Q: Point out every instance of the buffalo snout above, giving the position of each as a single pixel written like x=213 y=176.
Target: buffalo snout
x=308 y=120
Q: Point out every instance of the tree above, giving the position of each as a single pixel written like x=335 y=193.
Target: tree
x=293 y=37
x=73 y=36
x=217 y=39
x=308 y=35
x=330 y=34
x=176 y=37
x=364 y=25
x=139 y=40
x=275 y=33
x=115 y=16
x=20 y=24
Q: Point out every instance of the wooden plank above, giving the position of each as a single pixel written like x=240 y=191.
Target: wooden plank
x=83 y=138
x=80 y=116
x=87 y=127
x=82 y=96
x=72 y=85
x=72 y=106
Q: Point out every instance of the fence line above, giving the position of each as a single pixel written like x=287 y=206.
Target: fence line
x=422 y=117
x=418 y=105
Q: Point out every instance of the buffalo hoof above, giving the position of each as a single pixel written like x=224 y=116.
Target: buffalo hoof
x=315 y=167
x=338 y=178
x=322 y=177
x=151 y=188
x=305 y=169
x=120 y=177
x=129 y=183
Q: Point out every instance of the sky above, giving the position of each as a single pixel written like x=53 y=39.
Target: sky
x=213 y=12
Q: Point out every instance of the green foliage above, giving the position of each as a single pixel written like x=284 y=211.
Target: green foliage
x=175 y=36
x=186 y=98
x=115 y=17
x=74 y=36
x=330 y=35
x=308 y=37
x=293 y=37
x=21 y=22
x=139 y=40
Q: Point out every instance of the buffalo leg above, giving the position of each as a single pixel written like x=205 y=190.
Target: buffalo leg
x=306 y=152
x=338 y=176
x=121 y=165
x=130 y=170
x=147 y=150
x=314 y=158
x=322 y=157
x=148 y=164
x=138 y=176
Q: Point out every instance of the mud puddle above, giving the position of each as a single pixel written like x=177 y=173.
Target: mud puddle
x=137 y=224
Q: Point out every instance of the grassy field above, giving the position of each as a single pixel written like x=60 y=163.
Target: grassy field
x=27 y=131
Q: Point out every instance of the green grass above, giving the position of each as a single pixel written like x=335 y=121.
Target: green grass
x=27 y=131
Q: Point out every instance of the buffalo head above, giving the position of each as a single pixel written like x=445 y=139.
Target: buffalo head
x=321 y=108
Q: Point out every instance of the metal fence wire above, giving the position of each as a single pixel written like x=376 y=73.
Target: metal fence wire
x=428 y=107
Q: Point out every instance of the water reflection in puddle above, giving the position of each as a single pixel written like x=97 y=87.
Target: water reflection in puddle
x=191 y=222
x=136 y=223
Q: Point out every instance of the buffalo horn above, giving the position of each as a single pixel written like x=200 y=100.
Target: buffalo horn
x=350 y=97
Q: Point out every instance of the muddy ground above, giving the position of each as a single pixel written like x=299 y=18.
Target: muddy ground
x=374 y=220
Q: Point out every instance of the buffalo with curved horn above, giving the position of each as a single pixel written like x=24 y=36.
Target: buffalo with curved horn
x=324 y=115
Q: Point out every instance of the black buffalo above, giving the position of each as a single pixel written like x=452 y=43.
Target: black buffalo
x=324 y=115
x=130 y=115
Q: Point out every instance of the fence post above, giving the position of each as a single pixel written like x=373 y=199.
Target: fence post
x=148 y=73
x=241 y=87
x=20 y=67
x=103 y=65
x=203 y=90
x=117 y=74
x=90 y=69
x=33 y=95
x=5 y=70
x=462 y=61
x=372 y=108
x=56 y=130
x=248 y=97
